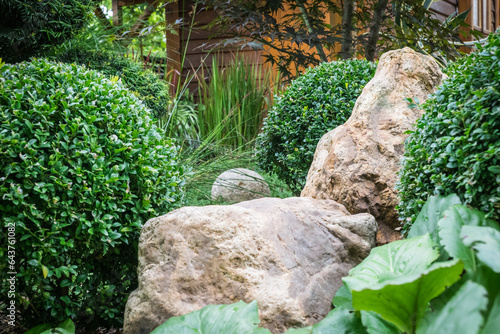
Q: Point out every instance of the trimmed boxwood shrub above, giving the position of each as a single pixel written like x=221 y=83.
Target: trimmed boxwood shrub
x=455 y=147
x=316 y=102
x=82 y=167
x=148 y=87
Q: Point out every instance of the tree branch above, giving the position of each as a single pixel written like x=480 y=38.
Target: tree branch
x=371 y=43
x=305 y=16
x=348 y=11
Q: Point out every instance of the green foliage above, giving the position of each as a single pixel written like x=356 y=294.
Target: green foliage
x=83 y=166
x=463 y=309
x=485 y=242
x=338 y=321
x=177 y=118
x=432 y=211
x=403 y=287
x=304 y=35
x=233 y=102
x=316 y=102
x=65 y=327
x=398 y=281
x=29 y=27
x=236 y=318
x=150 y=89
x=449 y=232
x=455 y=147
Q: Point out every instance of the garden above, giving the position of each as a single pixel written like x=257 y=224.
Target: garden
x=377 y=139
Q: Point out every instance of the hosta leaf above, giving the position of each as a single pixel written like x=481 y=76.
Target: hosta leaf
x=343 y=299
x=338 y=321
x=462 y=313
x=486 y=242
x=397 y=262
x=432 y=211
x=397 y=280
x=449 y=232
x=375 y=324
x=216 y=319
x=38 y=329
x=493 y=320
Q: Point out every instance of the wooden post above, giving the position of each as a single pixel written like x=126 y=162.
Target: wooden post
x=117 y=13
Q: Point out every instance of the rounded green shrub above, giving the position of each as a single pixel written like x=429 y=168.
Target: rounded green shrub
x=455 y=147
x=83 y=166
x=148 y=87
x=316 y=102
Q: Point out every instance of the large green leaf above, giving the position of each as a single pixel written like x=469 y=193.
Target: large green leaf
x=462 y=314
x=432 y=211
x=485 y=276
x=343 y=299
x=493 y=321
x=397 y=280
x=375 y=324
x=449 y=232
x=398 y=262
x=486 y=242
x=338 y=321
x=216 y=319
x=65 y=327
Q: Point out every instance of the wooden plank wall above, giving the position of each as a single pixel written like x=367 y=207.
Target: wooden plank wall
x=444 y=8
x=195 y=44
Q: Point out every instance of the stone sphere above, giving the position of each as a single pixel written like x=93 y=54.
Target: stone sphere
x=238 y=185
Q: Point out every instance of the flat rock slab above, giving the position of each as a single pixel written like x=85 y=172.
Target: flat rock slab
x=356 y=164
x=288 y=254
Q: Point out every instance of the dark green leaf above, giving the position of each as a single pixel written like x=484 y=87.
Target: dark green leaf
x=462 y=314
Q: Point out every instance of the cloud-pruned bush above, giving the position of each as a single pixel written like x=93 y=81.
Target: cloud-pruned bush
x=316 y=102
x=83 y=165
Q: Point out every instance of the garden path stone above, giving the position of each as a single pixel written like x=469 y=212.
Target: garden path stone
x=288 y=254
x=356 y=164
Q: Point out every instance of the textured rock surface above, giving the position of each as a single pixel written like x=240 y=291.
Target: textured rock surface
x=238 y=185
x=356 y=164
x=288 y=254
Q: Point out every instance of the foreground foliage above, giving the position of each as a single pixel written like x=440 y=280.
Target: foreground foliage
x=455 y=147
x=83 y=166
x=417 y=285
x=316 y=102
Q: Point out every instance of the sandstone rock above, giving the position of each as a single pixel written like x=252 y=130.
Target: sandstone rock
x=356 y=164
x=288 y=254
x=238 y=185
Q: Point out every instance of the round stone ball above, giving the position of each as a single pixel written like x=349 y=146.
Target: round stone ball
x=238 y=185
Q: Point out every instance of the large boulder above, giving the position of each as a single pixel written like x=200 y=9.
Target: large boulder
x=356 y=164
x=288 y=254
x=240 y=184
